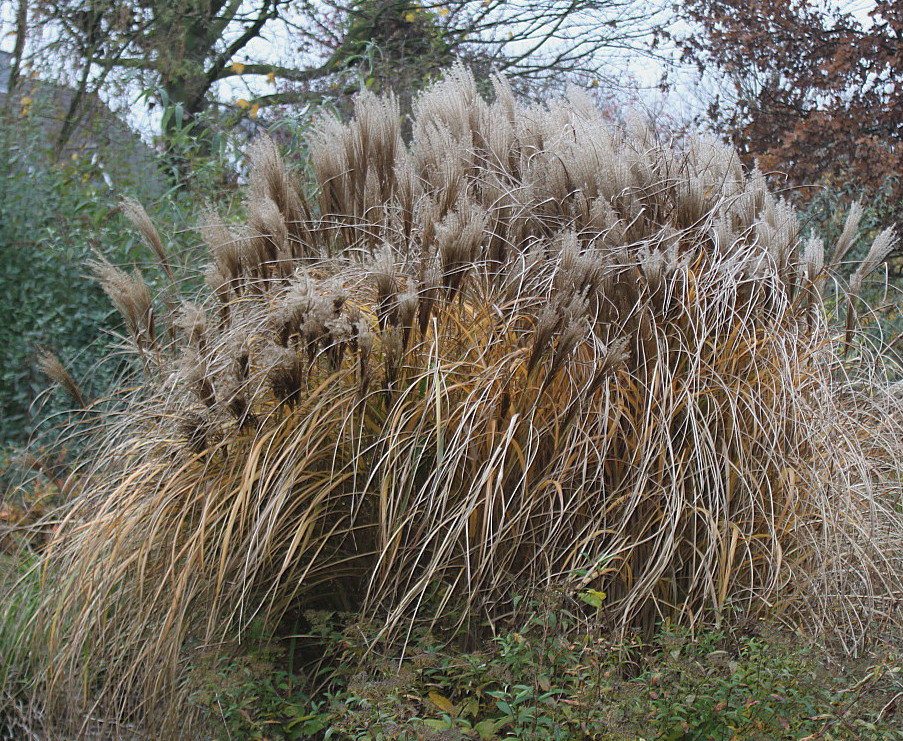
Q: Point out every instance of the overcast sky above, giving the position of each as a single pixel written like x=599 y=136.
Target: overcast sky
x=686 y=98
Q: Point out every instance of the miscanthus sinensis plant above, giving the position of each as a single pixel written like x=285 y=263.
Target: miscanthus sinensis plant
x=527 y=349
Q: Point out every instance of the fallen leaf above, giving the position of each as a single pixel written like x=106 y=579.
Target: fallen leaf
x=443 y=703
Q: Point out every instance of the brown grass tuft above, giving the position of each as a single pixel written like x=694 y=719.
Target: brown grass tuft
x=528 y=349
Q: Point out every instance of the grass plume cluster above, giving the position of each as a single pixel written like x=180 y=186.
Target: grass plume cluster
x=527 y=348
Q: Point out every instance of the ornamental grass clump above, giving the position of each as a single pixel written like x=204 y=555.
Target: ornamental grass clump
x=527 y=349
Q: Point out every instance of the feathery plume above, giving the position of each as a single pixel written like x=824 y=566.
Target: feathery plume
x=131 y=296
x=847 y=236
x=49 y=364
x=135 y=213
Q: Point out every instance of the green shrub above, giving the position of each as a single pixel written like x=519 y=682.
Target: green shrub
x=527 y=349
x=48 y=219
x=558 y=677
x=823 y=215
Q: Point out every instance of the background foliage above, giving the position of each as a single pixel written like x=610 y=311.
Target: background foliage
x=49 y=219
x=823 y=104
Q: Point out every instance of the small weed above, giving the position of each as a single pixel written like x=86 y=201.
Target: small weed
x=253 y=697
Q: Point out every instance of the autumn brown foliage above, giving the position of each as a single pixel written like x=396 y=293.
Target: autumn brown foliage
x=815 y=93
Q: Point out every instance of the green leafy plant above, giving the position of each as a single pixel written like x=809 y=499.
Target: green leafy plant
x=722 y=686
x=556 y=677
x=252 y=697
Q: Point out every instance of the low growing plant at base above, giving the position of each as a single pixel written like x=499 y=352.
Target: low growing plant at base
x=560 y=676
x=526 y=348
